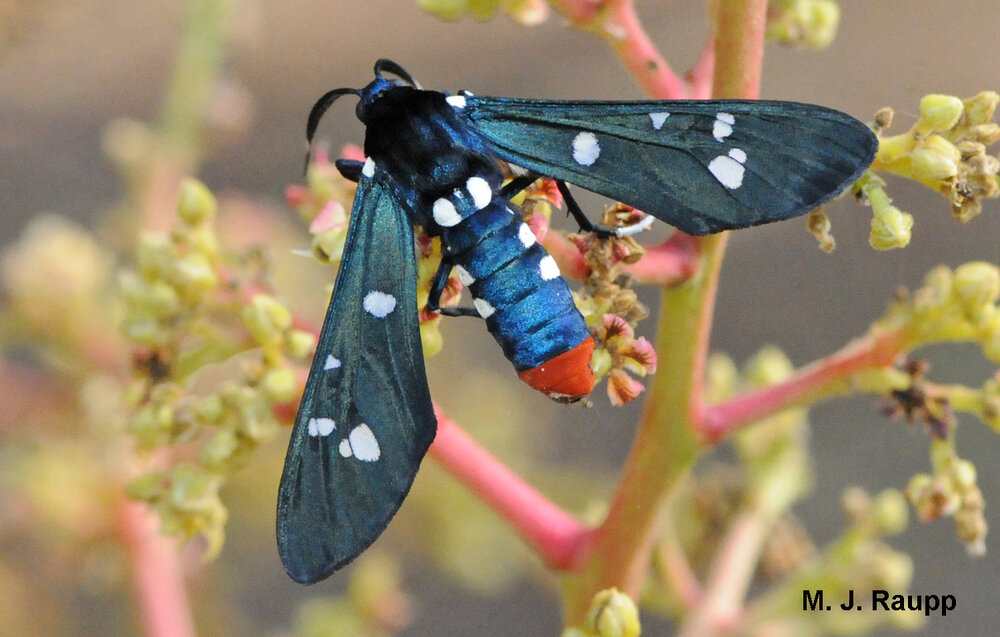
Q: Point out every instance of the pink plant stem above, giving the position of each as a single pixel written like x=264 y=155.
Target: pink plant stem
x=824 y=377
x=159 y=583
x=670 y=263
x=730 y=576
x=676 y=569
x=700 y=76
x=616 y=22
x=557 y=537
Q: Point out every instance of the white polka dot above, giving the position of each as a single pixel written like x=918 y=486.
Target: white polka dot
x=363 y=444
x=484 y=308
x=331 y=362
x=379 y=304
x=464 y=276
x=727 y=170
x=458 y=101
x=526 y=236
x=723 y=126
x=658 y=119
x=547 y=268
x=738 y=155
x=368 y=170
x=445 y=214
x=480 y=190
x=585 y=149
x=321 y=426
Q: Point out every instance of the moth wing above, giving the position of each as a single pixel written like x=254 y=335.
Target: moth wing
x=366 y=419
x=701 y=166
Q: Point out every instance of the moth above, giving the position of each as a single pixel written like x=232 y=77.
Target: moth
x=434 y=161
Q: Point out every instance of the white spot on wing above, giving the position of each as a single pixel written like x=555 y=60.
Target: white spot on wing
x=345 y=448
x=547 y=268
x=379 y=304
x=331 y=362
x=321 y=426
x=738 y=155
x=585 y=149
x=458 y=101
x=363 y=444
x=445 y=214
x=484 y=308
x=723 y=126
x=658 y=119
x=368 y=170
x=727 y=170
x=480 y=190
x=464 y=276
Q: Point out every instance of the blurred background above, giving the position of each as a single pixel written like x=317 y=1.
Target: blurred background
x=70 y=69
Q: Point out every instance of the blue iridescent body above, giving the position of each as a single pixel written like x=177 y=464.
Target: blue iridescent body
x=366 y=419
x=448 y=181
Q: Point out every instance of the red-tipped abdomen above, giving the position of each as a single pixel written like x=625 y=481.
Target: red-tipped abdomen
x=566 y=377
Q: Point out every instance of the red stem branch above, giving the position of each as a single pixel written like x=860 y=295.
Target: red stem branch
x=825 y=376
x=557 y=537
x=159 y=582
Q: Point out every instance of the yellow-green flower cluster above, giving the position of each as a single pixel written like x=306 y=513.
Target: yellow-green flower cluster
x=803 y=23
x=945 y=150
x=951 y=490
x=858 y=560
x=959 y=305
x=186 y=499
x=182 y=319
x=174 y=273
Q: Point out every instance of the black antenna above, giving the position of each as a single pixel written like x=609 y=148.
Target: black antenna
x=316 y=114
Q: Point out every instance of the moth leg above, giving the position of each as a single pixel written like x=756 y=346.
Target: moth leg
x=573 y=208
x=517 y=184
x=350 y=168
x=438 y=284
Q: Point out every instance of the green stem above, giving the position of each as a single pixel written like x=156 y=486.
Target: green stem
x=666 y=445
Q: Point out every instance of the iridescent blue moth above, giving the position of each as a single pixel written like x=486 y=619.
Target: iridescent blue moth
x=434 y=161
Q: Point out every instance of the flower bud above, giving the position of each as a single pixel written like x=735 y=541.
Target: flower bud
x=935 y=160
x=976 y=286
x=613 y=614
x=939 y=112
x=196 y=202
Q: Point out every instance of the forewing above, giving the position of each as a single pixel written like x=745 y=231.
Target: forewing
x=365 y=420
x=701 y=166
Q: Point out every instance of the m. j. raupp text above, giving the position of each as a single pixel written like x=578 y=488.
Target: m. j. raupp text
x=881 y=600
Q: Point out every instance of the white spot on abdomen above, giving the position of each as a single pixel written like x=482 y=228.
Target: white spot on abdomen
x=464 y=276
x=457 y=101
x=484 y=308
x=547 y=268
x=361 y=444
x=658 y=119
x=445 y=214
x=480 y=190
x=379 y=304
x=585 y=149
x=331 y=362
x=321 y=426
x=728 y=169
x=368 y=170
x=526 y=236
